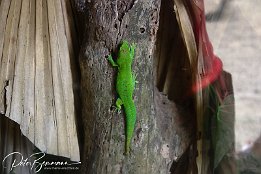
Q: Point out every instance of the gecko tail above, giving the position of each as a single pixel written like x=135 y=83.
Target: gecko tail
x=127 y=147
x=130 y=111
x=129 y=135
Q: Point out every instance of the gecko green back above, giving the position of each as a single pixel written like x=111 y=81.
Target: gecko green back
x=125 y=85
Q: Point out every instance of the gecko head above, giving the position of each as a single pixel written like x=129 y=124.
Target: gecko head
x=124 y=53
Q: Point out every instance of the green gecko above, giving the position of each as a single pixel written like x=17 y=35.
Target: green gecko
x=125 y=84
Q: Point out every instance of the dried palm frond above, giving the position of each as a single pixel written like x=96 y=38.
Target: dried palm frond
x=36 y=82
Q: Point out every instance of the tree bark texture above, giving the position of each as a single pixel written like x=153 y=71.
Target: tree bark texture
x=161 y=135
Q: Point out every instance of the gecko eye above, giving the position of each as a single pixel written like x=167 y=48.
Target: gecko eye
x=123 y=50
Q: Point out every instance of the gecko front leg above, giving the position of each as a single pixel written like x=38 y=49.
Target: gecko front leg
x=113 y=63
x=132 y=50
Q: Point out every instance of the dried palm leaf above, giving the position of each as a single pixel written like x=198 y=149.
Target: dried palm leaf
x=36 y=73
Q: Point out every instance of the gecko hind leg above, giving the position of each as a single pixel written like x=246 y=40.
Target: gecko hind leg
x=118 y=104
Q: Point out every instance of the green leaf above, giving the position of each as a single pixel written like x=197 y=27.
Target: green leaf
x=224 y=132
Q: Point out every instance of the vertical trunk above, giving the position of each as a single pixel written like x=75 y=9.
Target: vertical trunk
x=109 y=22
x=161 y=135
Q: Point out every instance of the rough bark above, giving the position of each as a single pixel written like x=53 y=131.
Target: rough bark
x=160 y=135
x=108 y=22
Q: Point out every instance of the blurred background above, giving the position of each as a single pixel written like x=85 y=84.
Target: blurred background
x=234 y=28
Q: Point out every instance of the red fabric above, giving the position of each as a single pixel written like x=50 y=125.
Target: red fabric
x=212 y=66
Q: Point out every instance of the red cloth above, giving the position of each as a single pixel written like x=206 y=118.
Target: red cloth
x=212 y=65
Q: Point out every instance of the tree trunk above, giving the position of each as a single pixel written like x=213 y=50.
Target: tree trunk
x=108 y=23
x=155 y=143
